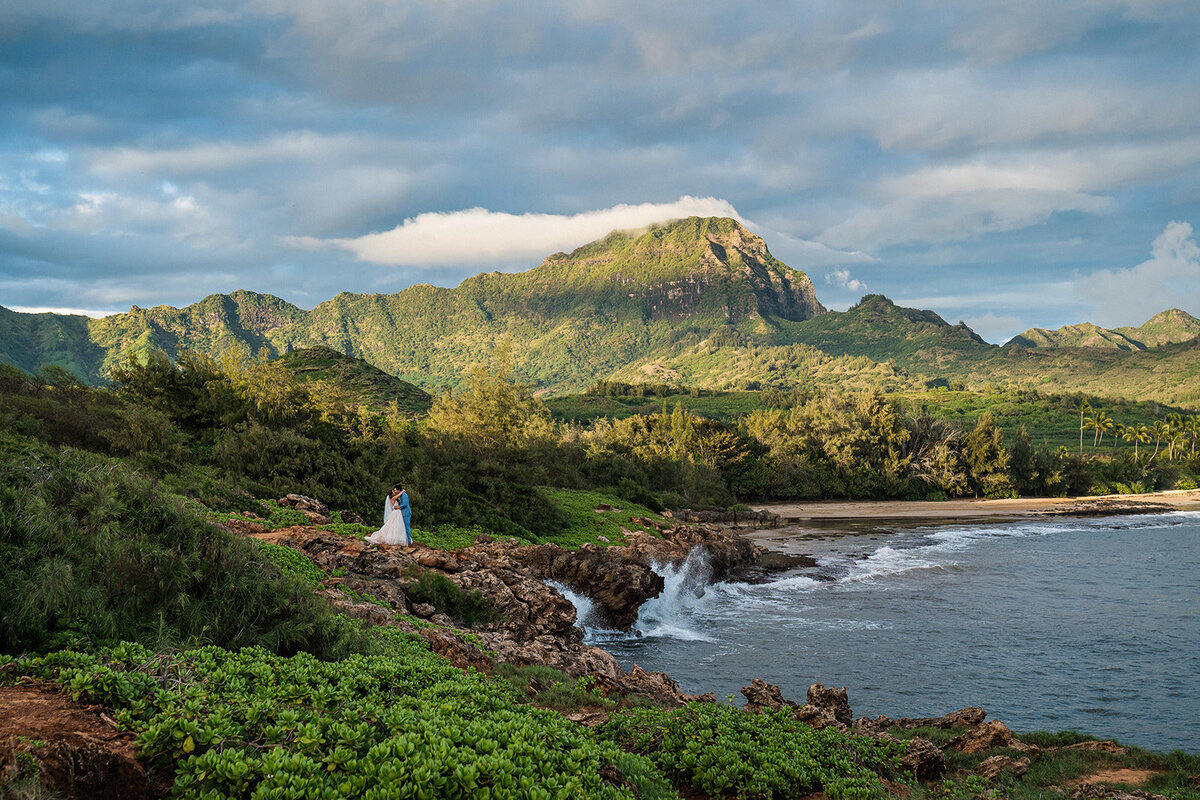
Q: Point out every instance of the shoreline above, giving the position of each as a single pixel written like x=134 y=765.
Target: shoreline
x=970 y=508
x=820 y=519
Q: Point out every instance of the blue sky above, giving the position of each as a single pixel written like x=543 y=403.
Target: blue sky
x=1009 y=163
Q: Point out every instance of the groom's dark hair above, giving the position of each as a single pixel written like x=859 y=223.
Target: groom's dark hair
x=397 y=488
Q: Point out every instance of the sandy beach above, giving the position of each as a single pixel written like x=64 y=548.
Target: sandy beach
x=800 y=512
x=820 y=519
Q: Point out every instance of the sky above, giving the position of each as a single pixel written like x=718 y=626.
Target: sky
x=1007 y=163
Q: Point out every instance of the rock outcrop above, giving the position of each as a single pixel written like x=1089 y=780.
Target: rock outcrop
x=617 y=584
x=988 y=736
x=532 y=624
x=992 y=768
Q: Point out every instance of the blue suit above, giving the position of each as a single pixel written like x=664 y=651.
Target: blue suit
x=405 y=511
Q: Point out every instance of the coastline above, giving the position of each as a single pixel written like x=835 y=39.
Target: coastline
x=970 y=508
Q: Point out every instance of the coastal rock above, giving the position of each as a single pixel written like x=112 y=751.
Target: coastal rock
x=1100 y=791
x=991 y=768
x=615 y=583
x=988 y=736
x=923 y=759
x=533 y=624
x=304 y=503
x=724 y=553
x=826 y=707
x=872 y=726
x=963 y=718
x=740 y=519
x=761 y=696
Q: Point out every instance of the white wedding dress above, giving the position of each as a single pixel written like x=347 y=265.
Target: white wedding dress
x=393 y=530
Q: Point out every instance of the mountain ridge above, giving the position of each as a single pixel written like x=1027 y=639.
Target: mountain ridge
x=701 y=299
x=1173 y=326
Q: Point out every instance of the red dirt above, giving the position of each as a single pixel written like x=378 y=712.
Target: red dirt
x=78 y=752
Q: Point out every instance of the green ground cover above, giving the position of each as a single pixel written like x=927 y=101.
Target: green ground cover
x=588 y=523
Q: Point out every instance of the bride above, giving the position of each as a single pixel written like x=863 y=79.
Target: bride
x=395 y=527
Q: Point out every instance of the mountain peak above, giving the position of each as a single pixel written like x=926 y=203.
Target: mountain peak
x=684 y=268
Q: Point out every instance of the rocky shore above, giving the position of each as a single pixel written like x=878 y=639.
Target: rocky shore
x=533 y=622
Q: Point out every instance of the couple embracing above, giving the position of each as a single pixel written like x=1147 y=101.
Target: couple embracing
x=397 y=514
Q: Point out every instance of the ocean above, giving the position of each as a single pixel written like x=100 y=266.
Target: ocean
x=1090 y=624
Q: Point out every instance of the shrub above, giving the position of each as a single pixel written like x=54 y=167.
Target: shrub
x=437 y=590
x=91 y=550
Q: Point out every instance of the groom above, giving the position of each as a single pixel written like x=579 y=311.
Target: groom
x=400 y=501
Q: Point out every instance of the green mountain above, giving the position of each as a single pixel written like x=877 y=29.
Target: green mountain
x=373 y=386
x=698 y=301
x=1166 y=327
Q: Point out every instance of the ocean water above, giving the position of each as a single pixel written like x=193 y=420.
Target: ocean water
x=1085 y=624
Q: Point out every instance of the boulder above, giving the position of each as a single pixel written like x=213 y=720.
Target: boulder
x=761 y=696
x=825 y=707
x=615 y=583
x=967 y=717
x=989 y=736
x=303 y=503
x=923 y=759
x=991 y=768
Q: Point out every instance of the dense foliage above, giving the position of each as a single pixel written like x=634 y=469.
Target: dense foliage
x=91 y=551
x=722 y=751
x=404 y=724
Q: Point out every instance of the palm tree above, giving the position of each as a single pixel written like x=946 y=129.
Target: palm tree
x=1136 y=434
x=1118 y=432
x=1084 y=407
x=1100 y=423
x=1192 y=426
x=1159 y=430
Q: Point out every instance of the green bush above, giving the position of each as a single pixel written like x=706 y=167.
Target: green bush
x=724 y=752
x=92 y=551
x=434 y=588
x=400 y=724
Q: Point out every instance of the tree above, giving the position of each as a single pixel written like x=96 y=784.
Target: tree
x=987 y=459
x=1084 y=407
x=493 y=413
x=1136 y=434
x=1159 y=430
x=1100 y=423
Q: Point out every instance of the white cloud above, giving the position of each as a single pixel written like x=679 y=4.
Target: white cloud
x=302 y=146
x=1170 y=278
x=957 y=216
x=841 y=278
x=480 y=236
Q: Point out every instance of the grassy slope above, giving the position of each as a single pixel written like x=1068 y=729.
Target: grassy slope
x=372 y=386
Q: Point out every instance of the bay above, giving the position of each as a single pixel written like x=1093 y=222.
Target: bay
x=1084 y=624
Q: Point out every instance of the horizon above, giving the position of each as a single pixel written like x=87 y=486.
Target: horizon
x=1009 y=165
